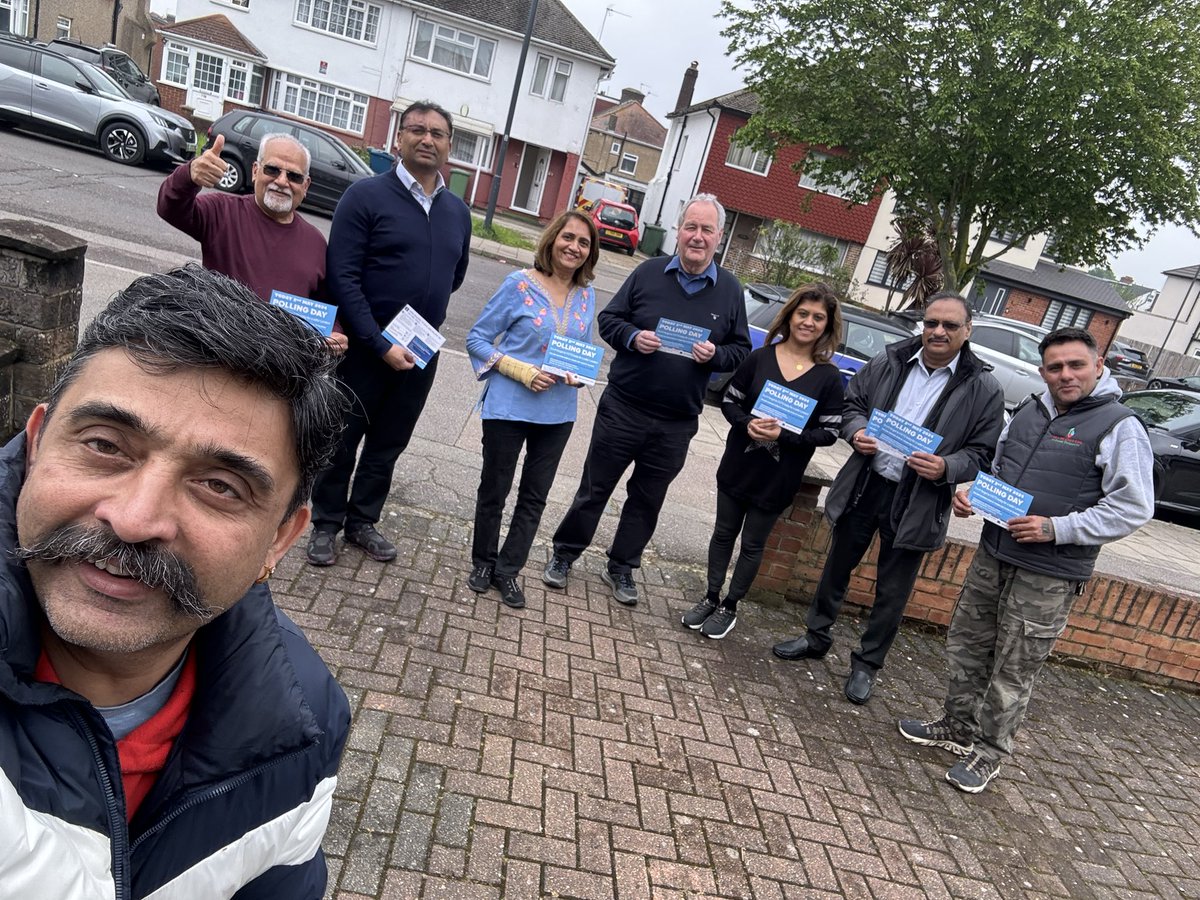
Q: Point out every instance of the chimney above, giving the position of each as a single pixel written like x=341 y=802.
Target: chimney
x=628 y=94
x=688 y=87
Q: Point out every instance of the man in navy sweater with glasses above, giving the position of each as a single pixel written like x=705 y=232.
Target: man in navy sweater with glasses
x=651 y=407
x=398 y=239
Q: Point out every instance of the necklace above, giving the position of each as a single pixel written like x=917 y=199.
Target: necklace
x=800 y=366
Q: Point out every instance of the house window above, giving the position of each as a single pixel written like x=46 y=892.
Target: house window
x=353 y=19
x=767 y=238
x=209 y=72
x=628 y=163
x=244 y=4
x=239 y=73
x=616 y=147
x=550 y=77
x=470 y=148
x=1063 y=315
x=62 y=29
x=1008 y=237
x=840 y=186
x=14 y=15
x=450 y=48
x=680 y=151
x=319 y=102
x=879 y=274
x=743 y=157
x=175 y=65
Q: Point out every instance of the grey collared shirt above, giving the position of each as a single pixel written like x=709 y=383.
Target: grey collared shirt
x=418 y=192
x=922 y=386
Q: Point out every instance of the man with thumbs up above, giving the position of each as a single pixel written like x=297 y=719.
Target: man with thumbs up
x=259 y=240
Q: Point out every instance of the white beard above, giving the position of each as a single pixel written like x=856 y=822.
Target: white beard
x=278 y=202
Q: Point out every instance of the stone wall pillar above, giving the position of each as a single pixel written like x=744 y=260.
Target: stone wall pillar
x=41 y=289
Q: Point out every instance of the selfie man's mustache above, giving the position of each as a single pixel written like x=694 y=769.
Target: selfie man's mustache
x=153 y=565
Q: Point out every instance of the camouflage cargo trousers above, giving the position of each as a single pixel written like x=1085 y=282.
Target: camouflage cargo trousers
x=1004 y=626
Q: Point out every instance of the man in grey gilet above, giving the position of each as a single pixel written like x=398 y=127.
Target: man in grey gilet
x=1087 y=462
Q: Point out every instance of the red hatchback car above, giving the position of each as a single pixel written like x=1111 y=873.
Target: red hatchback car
x=617 y=224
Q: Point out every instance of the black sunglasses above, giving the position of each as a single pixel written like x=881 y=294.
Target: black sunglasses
x=951 y=327
x=273 y=172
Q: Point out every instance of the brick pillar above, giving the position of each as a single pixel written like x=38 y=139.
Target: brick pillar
x=41 y=288
x=797 y=546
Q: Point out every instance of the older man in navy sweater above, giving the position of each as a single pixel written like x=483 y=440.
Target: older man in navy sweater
x=651 y=407
x=399 y=239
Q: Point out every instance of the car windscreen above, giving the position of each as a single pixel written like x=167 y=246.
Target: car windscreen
x=865 y=341
x=760 y=312
x=1169 y=410
x=126 y=67
x=104 y=83
x=614 y=215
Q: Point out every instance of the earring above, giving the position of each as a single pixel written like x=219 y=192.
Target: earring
x=267 y=572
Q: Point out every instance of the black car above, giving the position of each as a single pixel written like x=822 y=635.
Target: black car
x=864 y=333
x=1127 y=361
x=119 y=65
x=1183 y=382
x=1172 y=419
x=334 y=165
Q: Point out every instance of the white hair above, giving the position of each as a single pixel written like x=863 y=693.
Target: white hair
x=704 y=198
x=280 y=136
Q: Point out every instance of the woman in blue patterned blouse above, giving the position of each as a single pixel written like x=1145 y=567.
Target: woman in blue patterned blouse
x=521 y=404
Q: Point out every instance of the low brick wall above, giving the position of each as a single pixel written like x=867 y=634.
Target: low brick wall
x=1150 y=633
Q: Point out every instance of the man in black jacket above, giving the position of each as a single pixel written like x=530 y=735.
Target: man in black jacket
x=649 y=412
x=164 y=729
x=937 y=382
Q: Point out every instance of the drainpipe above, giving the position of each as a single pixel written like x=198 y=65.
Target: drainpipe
x=116 y=17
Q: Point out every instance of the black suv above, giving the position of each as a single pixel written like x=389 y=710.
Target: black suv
x=118 y=64
x=334 y=166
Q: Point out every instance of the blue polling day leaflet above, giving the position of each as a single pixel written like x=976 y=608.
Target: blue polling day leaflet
x=678 y=337
x=566 y=355
x=791 y=408
x=998 y=501
x=317 y=314
x=899 y=435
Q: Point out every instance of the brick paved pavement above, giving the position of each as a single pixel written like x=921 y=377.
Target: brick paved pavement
x=581 y=749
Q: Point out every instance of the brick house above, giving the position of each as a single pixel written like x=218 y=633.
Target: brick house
x=127 y=25
x=352 y=67
x=624 y=143
x=1053 y=296
x=755 y=187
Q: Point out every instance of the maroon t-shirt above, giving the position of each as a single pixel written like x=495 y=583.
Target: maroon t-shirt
x=239 y=240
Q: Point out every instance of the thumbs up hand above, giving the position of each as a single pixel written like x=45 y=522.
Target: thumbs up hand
x=208 y=168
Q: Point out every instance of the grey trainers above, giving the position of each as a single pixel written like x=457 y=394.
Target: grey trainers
x=556 y=572
x=719 y=624
x=322 y=549
x=973 y=773
x=372 y=543
x=695 y=616
x=938 y=733
x=624 y=591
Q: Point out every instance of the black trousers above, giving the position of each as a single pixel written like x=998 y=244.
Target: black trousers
x=754 y=525
x=897 y=572
x=502 y=442
x=385 y=407
x=657 y=448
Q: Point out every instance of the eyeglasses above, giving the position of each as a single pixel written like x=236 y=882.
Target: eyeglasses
x=419 y=131
x=274 y=172
x=934 y=324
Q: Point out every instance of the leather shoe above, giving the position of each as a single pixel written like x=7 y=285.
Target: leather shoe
x=797 y=648
x=859 y=685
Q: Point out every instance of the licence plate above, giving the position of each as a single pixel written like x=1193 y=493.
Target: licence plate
x=608 y=232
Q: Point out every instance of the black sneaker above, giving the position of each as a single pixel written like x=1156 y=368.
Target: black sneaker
x=480 y=578
x=938 y=733
x=973 y=773
x=322 y=549
x=719 y=624
x=556 y=572
x=372 y=543
x=624 y=591
x=510 y=592
x=695 y=616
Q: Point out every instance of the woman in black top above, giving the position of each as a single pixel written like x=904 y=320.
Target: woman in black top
x=764 y=463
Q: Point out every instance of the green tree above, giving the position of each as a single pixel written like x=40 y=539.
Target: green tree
x=791 y=259
x=1013 y=117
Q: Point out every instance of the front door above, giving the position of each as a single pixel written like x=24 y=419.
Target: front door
x=531 y=179
x=204 y=93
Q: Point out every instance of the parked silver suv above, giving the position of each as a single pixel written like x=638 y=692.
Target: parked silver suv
x=51 y=94
x=1012 y=350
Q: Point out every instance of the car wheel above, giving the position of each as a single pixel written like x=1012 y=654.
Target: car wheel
x=1154 y=384
x=234 y=179
x=630 y=250
x=123 y=143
